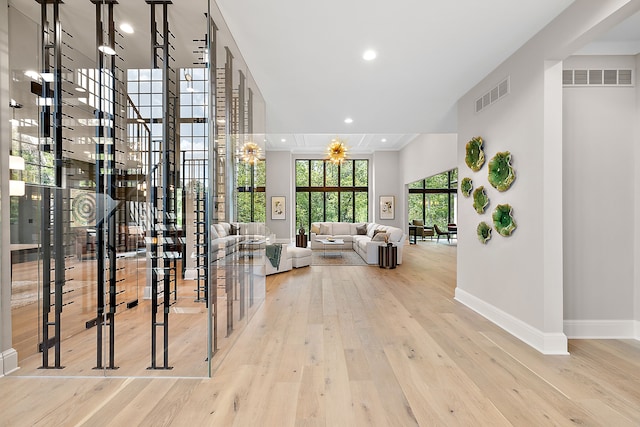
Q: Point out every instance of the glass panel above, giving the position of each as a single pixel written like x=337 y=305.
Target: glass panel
x=362 y=173
x=439 y=181
x=417 y=184
x=332 y=174
x=346 y=207
x=259 y=207
x=302 y=173
x=244 y=206
x=331 y=206
x=317 y=207
x=437 y=210
x=415 y=207
x=302 y=210
x=362 y=207
x=346 y=174
x=317 y=173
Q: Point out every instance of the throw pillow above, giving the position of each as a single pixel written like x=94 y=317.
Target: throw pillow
x=361 y=229
x=315 y=228
x=325 y=230
x=214 y=233
x=379 y=237
x=376 y=231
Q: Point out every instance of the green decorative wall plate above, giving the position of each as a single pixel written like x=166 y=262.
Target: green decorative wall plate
x=466 y=186
x=503 y=220
x=480 y=199
x=475 y=154
x=484 y=232
x=501 y=173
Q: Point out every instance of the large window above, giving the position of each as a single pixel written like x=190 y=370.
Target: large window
x=251 y=192
x=329 y=192
x=434 y=200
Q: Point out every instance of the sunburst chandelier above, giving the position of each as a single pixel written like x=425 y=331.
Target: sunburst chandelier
x=250 y=153
x=337 y=151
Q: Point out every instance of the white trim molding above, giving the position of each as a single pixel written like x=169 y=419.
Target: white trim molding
x=602 y=329
x=8 y=362
x=545 y=343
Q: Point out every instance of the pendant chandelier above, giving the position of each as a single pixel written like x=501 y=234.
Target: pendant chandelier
x=250 y=152
x=336 y=151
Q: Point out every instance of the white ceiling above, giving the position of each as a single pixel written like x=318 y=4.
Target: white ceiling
x=306 y=58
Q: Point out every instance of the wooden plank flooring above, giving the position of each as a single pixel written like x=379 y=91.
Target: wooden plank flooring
x=358 y=346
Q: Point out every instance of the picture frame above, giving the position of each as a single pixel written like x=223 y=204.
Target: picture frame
x=278 y=207
x=387 y=207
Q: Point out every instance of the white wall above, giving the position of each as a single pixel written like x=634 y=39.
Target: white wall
x=517 y=282
x=387 y=181
x=600 y=197
x=280 y=182
x=428 y=155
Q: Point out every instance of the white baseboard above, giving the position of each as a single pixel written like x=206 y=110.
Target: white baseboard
x=8 y=362
x=545 y=343
x=602 y=329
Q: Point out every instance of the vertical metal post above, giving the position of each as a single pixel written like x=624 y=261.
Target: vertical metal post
x=52 y=48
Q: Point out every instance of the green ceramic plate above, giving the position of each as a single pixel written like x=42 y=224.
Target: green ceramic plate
x=480 y=199
x=466 y=186
x=484 y=232
x=501 y=173
x=475 y=155
x=503 y=220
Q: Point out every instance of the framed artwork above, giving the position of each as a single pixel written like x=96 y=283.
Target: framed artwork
x=387 y=207
x=278 y=207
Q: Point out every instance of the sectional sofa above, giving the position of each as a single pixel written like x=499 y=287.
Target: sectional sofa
x=359 y=237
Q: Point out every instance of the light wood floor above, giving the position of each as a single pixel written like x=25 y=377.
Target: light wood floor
x=359 y=346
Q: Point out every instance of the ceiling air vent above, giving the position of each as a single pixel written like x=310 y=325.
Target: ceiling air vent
x=497 y=92
x=597 y=78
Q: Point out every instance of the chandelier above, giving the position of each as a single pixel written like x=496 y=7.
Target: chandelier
x=336 y=151
x=250 y=153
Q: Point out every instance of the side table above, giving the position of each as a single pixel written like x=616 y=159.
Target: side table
x=301 y=240
x=387 y=256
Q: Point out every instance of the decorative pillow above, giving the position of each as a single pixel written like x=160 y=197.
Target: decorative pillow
x=361 y=229
x=380 y=237
x=214 y=233
x=234 y=230
x=325 y=230
x=377 y=231
x=341 y=229
x=220 y=229
x=315 y=228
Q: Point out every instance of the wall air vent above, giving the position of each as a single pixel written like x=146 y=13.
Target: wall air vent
x=597 y=78
x=497 y=92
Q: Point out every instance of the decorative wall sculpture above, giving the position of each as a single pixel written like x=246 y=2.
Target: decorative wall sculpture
x=484 y=232
x=466 y=186
x=480 y=199
x=503 y=220
x=475 y=154
x=501 y=173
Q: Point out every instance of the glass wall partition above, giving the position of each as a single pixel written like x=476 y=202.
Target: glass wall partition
x=127 y=171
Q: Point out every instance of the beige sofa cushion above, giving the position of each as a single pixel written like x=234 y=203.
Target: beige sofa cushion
x=341 y=229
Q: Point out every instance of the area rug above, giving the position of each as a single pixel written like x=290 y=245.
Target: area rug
x=348 y=257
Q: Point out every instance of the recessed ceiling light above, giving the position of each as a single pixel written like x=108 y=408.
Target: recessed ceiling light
x=80 y=89
x=348 y=120
x=283 y=140
x=369 y=55
x=127 y=28
x=384 y=140
x=107 y=50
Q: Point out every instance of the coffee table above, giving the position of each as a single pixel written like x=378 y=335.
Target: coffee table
x=328 y=243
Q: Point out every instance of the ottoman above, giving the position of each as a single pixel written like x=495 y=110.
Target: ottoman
x=300 y=257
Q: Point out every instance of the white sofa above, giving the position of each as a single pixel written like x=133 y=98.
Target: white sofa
x=360 y=243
